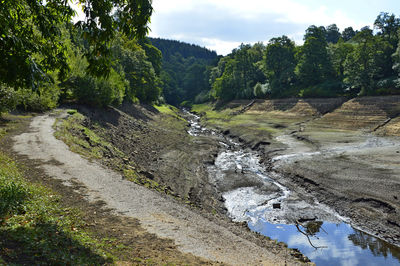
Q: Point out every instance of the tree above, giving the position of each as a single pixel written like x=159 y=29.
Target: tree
x=387 y=26
x=314 y=65
x=338 y=53
x=359 y=65
x=194 y=81
x=396 y=62
x=280 y=64
x=144 y=84
x=332 y=34
x=348 y=33
x=30 y=28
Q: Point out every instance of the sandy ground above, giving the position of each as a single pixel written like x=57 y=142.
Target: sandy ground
x=158 y=214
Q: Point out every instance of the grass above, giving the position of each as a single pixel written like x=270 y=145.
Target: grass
x=171 y=118
x=81 y=139
x=87 y=143
x=35 y=229
x=250 y=125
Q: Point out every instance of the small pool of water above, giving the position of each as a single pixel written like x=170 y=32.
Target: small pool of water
x=332 y=244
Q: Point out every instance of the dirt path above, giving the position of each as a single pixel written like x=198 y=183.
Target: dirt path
x=158 y=214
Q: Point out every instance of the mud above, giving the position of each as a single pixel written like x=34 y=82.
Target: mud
x=338 y=151
x=192 y=232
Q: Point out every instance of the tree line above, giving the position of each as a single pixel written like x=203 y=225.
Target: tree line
x=330 y=63
x=104 y=59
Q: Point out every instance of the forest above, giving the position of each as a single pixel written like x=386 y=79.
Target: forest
x=46 y=59
x=330 y=63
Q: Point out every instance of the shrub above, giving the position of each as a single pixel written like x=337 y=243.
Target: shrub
x=8 y=99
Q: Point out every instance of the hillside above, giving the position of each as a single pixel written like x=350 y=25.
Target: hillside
x=185 y=69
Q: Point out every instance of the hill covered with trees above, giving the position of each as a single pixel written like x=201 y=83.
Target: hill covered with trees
x=185 y=70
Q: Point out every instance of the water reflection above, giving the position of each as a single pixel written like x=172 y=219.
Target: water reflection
x=342 y=244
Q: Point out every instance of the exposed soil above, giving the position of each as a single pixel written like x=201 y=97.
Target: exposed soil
x=158 y=226
x=345 y=153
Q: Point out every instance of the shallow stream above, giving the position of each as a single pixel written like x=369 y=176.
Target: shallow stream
x=255 y=196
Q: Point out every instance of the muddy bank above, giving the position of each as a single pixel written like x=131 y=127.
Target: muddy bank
x=335 y=150
x=157 y=147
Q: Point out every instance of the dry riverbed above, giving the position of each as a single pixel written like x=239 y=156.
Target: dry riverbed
x=344 y=153
x=175 y=231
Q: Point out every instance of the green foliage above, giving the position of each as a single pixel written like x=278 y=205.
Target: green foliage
x=238 y=73
x=366 y=64
x=280 y=63
x=202 y=97
x=45 y=98
x=8 y=99
x=332 y=33
x=314 y=65
x=327 y=89
x=98 y=91
x=329 y=64
x=144 y=84
x=38 y=45
x=348 y=33
x=28 y=28
x=37 y=229
x=184 y=71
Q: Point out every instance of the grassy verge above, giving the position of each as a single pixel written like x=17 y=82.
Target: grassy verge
x=171 y=118
x=81 y=139
x=35 y=229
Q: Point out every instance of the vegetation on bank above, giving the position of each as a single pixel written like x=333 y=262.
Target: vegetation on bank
x=87 y=139
x=36 y=229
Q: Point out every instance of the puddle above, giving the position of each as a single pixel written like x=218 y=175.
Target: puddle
x=253 y=195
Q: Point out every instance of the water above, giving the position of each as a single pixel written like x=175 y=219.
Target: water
x=273 y=210
x=334 y=244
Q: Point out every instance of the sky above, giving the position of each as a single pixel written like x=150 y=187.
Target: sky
x=222 y=25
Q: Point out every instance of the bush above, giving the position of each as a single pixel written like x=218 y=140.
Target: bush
x=45 y=98
x=98 y=91
x=186 y=104
x=202 y=97
x=12 y=195
x=325 y=90
x=8 y=99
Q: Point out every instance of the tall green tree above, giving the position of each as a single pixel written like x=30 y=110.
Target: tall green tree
x=338 y=53
x=314 y=64
x=387 y=26
x=360 y=64
x=280 y=64
x=348 y=33
x=332 y=33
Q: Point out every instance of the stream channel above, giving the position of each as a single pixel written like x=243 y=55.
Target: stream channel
x=253 y=195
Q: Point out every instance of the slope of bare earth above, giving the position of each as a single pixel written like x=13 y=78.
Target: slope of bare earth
x=209 y=238
x=344 y=152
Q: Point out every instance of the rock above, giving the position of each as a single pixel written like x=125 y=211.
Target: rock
x=276 y=205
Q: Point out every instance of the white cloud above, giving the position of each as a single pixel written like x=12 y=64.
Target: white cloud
x=222 y=25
